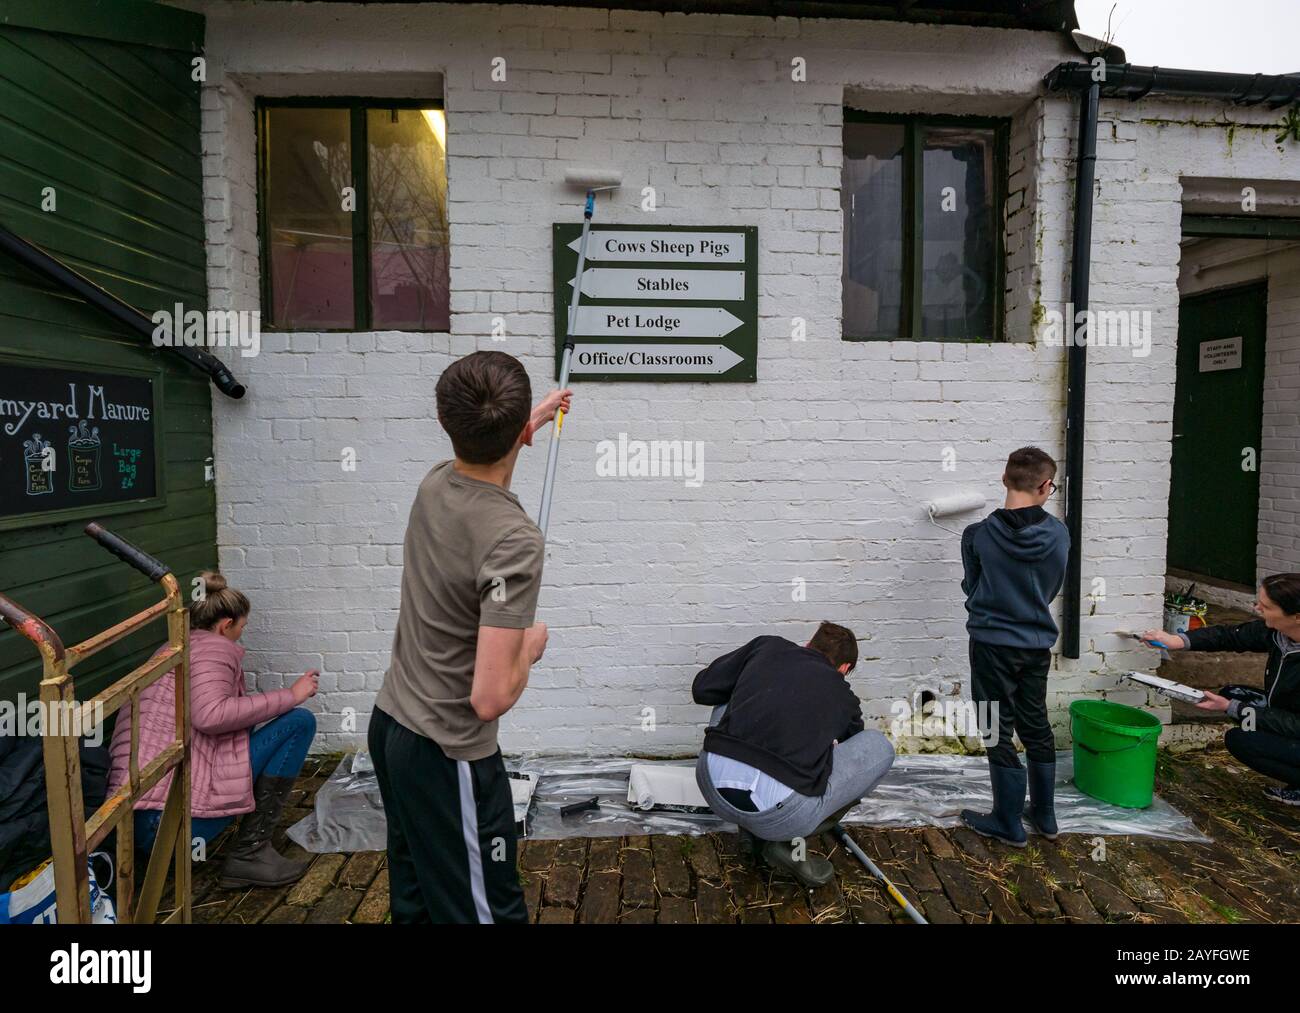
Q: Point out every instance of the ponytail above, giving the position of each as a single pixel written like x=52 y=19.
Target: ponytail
x=219 y=602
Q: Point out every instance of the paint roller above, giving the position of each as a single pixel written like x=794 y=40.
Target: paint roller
x=957 y=503
x=593 y=181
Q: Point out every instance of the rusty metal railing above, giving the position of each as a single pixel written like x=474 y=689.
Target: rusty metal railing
x=73 y=836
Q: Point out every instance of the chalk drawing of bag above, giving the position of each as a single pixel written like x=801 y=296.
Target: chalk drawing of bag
x=83 y=458
x=36 y=452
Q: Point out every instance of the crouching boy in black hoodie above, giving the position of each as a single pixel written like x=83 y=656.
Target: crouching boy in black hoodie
x=1014 y=562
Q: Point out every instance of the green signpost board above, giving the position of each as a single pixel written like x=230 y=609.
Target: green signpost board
x=669 y=302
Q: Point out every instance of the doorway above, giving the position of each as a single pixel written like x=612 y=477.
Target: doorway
x=1218 y=412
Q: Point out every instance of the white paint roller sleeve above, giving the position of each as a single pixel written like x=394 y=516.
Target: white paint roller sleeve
x=957 y=503
x=651 y=785
x=591 y=178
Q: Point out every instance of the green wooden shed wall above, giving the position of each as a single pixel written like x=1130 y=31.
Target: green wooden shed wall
x=98 y=100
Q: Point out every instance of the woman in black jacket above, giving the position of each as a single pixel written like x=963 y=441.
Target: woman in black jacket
x=1269 y=737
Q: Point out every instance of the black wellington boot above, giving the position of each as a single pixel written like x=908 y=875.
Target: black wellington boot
x=251 y=861
x=750 y=846
x=1041 y=811
x=813 y=871
x=1003 y=823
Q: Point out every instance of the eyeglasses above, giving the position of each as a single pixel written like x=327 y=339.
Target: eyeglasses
x=1050 y=483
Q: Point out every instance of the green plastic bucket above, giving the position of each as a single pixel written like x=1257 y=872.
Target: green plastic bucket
x=1114 y=752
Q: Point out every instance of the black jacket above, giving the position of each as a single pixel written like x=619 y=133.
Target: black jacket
x=1281 y=675
x=1014 y=565
x=786 y=707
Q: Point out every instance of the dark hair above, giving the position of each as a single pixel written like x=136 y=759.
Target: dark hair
x=837 y=643
x=219 y=602
x=1028 y=468
x=484 y=400
x=1284 y=590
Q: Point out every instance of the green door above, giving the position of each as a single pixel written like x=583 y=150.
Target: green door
x=1218 y=408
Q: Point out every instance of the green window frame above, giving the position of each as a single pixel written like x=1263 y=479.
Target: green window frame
x=360 y=150
x=913 y=189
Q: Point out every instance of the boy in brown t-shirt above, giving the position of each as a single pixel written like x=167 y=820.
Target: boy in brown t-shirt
x=465 y=640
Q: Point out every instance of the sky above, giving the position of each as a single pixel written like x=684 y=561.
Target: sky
x=1242 y=36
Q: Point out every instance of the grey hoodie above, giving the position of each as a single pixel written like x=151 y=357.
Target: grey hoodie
x=1014 y=562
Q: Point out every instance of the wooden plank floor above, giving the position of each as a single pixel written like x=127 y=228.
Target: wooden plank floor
x=1246 y=874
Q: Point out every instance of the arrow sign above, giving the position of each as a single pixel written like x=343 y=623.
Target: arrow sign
x=662 y=283
x=633 y=358
x=672 y=247
x=654 y=322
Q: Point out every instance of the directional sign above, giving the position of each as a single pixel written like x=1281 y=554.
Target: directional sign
x=662 y=283
x=672 y=244
x=681 y=304
x=652 y=322
x=627 y=357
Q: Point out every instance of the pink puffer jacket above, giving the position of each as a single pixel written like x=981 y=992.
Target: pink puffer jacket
x=221 y=713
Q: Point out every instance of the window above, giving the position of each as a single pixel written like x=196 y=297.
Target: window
x=922 y=201
x=371 y=257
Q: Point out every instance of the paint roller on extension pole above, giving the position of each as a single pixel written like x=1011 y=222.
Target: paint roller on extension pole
x=593 y=181
x=843 y=837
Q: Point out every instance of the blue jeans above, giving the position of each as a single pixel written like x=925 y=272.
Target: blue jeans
x=277 y=749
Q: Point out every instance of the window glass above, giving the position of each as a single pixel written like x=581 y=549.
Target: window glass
x=872 y=199
x=407 y=194
x=958 y=233
x=308 y=163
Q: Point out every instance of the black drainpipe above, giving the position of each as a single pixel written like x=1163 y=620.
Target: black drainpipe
x=1077 y=366
x=65 y=277
x=1131 y=82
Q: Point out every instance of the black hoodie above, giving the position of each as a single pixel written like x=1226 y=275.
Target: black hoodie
x=786 y=706
x=1014 y=563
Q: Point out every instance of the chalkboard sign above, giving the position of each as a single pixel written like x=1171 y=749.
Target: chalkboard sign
x=72 y=438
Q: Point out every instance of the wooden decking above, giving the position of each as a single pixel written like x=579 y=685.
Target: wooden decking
x=1247 y=873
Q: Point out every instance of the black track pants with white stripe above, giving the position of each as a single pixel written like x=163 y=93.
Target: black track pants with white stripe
x=451 y=830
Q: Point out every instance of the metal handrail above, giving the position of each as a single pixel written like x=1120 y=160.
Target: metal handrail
x=72 y=834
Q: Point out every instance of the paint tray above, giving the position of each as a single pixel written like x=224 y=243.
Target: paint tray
x=1166 y=687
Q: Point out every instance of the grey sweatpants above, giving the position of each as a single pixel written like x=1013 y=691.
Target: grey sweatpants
x=858 y=765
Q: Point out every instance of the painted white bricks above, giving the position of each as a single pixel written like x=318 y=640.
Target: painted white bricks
x=814 y=474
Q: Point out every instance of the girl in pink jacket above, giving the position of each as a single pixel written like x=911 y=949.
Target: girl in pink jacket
x=234 y=769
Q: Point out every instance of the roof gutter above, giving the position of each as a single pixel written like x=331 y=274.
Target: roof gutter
x=1126 y=80
x=1092 y=83
x=33 y=257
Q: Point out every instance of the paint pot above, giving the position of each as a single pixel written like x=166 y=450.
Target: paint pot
x=1184 y=613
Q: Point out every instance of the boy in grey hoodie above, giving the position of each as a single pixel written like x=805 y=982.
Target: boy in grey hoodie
x=1014 y=563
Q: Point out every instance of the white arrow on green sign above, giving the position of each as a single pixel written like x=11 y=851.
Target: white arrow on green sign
x=671 y=247
x=662 y=283
x=655 y=322
x=653 y=359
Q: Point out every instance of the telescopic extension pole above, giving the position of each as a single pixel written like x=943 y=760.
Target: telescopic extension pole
x=843 y=837
x=553 y=452
x=593 y=180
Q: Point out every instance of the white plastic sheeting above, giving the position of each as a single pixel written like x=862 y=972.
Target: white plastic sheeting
x=349 y=813
x=921 y=790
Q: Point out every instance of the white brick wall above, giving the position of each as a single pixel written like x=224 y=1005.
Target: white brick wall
x=816 y=472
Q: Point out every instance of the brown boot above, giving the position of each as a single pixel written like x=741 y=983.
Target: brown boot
x=251 y=861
